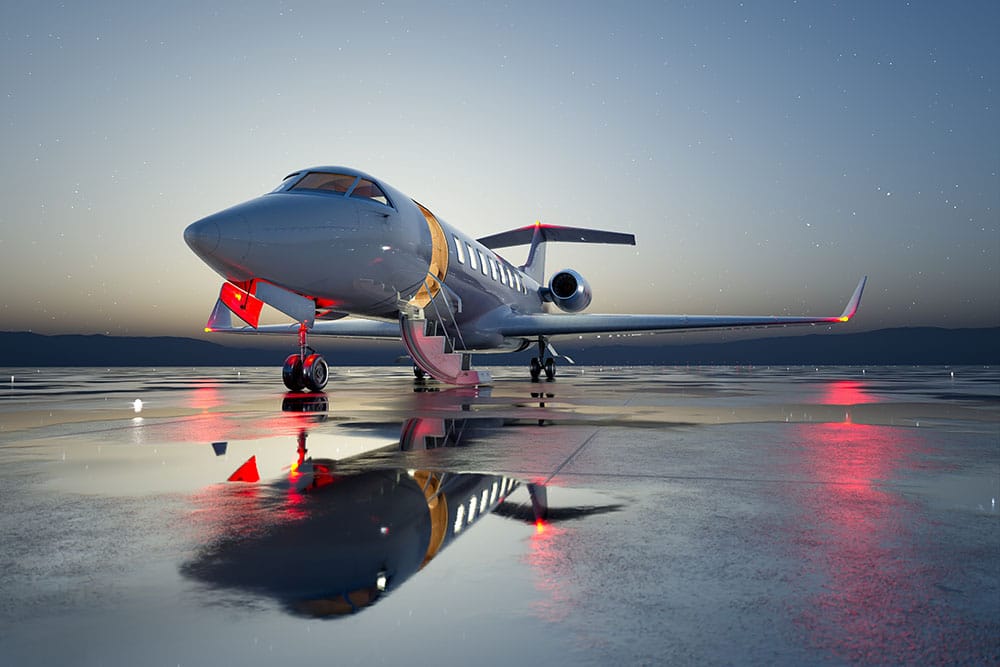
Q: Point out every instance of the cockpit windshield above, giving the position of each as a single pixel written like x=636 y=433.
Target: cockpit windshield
x=339 y=183
x=365 y=189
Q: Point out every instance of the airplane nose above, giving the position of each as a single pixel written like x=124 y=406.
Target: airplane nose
x=202 y=237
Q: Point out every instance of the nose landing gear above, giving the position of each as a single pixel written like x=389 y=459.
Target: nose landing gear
x=305 y=369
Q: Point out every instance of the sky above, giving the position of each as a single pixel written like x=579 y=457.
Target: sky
x=765 y=154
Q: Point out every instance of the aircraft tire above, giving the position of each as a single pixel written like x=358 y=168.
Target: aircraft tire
x=550 y=369
x=535 y=368
x=291 y=373
x=315 y=372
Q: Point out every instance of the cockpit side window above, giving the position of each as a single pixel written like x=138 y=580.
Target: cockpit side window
x=365 y=189
x=285 y=181
x=337 y=183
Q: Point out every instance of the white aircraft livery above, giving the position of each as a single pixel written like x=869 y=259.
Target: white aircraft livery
x=344 y=254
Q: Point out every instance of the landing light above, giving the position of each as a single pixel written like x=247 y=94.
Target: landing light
x=380 y=581
x=137 y=405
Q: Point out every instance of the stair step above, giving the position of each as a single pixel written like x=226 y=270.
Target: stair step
x=436 y=354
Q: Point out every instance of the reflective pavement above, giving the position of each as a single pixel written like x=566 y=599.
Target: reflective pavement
x=679 y=515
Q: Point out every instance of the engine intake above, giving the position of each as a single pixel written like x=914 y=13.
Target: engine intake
x=569 y=291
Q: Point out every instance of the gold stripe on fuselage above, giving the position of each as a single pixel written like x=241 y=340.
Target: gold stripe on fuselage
x=437 y=506
x=439 y=260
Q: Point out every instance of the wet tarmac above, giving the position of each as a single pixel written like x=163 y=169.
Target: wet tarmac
x=614 y=516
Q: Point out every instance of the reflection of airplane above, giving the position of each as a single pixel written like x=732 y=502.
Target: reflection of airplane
x=331 y=538
x=349 y=537
x=330 y=242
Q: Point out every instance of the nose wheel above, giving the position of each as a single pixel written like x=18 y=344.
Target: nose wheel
x=305 y=369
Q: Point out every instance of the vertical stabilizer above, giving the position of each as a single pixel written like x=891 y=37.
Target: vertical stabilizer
x=534 y=266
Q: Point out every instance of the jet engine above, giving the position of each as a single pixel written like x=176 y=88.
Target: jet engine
x=569 y=291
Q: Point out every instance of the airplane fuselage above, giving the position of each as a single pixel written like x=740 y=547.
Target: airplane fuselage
x=361 y=257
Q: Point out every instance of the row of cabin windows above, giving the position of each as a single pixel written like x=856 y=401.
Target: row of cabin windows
x=490 y=267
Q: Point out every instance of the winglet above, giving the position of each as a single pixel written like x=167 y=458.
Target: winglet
x=221 y=318
x=852 y=305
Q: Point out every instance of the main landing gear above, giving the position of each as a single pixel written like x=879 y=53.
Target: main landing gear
x=305 y=369
x=540 y=363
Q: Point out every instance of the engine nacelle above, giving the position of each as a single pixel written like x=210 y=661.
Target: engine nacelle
x=569 y=291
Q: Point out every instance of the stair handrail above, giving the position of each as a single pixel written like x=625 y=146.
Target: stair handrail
x=444 y=291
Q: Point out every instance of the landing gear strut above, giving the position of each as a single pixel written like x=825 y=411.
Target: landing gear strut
x=540 y=363
x=305 y=369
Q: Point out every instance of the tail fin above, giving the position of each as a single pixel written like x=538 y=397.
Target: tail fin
x=538 y=234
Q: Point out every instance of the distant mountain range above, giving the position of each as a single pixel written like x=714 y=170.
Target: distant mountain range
x=901 y=346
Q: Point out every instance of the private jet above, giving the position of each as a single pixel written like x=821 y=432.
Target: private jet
x=344 y=254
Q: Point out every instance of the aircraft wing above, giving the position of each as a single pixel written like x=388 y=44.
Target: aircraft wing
x=556 y=325
x=221 y=321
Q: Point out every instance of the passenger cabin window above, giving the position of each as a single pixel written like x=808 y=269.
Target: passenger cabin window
x=459 y=253
x=338 y=183
x=472 y=256
x=365 y=189
x=482 y=263
x=493 y=269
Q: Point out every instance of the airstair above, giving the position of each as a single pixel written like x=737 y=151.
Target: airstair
x=427 y=339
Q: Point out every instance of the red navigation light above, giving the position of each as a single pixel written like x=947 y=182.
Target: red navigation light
x=539 y=526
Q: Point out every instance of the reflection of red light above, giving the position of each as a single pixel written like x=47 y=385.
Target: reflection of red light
x=859 y=541
x=247 y=472
x=548 y=560
x=204 y=397
x=847 y=392
x=322 y=476
x=851 y=457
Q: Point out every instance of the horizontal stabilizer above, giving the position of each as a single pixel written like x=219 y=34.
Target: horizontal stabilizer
x=525 y=235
